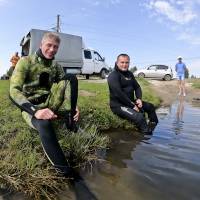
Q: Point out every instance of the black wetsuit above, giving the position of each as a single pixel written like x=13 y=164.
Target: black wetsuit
x=124 y=90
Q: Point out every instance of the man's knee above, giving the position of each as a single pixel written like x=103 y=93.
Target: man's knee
x=45 y=124
x=129 y=114
x=151 y=107
x=41 y=125
x=46 y=131
x=139 y=118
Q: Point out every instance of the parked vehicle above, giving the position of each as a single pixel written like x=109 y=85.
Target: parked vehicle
x=155 y=71
x=72 y=54
x=4 y=77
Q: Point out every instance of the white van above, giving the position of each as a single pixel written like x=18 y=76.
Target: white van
x=72 y=54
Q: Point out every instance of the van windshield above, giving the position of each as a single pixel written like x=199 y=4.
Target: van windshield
x=97 y=56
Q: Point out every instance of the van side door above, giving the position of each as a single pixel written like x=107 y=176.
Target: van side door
x=98 y=62
x=88 y=64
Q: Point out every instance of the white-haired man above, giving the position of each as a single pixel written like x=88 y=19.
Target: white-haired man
x=38 y=87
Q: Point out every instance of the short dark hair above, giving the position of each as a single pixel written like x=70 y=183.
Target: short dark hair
x=123 y=55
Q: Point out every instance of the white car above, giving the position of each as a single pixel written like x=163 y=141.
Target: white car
x=155 y=71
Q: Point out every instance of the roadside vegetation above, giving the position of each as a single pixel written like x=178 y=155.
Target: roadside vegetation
x=195 y=82
x=23 y=165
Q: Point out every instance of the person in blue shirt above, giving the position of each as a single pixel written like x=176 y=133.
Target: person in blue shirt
x=180 y=69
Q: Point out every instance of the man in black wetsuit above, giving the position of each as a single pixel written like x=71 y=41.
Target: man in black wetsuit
x=126 y=97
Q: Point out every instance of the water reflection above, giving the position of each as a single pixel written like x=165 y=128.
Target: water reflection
x=180 y=109
x=123 y=144
x=163 y=111
x=178 y=123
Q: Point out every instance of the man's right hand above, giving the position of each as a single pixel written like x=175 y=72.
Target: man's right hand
x=45 y=113
x=136 y=109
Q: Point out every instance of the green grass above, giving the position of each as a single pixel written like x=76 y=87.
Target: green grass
x=195 y=83
x=4 y=86
x=23 y=165
x=148 y=93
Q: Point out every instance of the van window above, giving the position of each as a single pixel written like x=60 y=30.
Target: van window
x=25 y=49
x=87 y=54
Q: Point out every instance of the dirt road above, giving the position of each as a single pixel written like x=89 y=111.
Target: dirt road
x=168 y=91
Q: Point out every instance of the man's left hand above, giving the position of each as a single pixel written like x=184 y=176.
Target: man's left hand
x=76 y=116
x=139 y=103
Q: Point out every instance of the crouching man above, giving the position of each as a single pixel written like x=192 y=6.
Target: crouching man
x=38 y=87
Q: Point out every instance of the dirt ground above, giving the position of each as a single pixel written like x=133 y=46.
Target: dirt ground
x=168 y=91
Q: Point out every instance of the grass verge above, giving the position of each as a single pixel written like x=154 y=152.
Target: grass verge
x=195 y=83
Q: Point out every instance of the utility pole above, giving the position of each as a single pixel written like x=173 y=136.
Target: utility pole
x=57 y=27
x=58 y=24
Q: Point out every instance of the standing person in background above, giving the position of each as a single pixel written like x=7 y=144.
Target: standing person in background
x=180 y=69
x=14 y=59
x=126 y=97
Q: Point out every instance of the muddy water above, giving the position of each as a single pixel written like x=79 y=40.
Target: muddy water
x=163 y=166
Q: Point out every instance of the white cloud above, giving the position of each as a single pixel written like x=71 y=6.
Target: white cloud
x=115 y=1
x=2 y=2
x=180 y=16
x=190 y=38
x=105 y=3
x=179 y=12
x=96 y=3
x=83 y=9
x=180 y=2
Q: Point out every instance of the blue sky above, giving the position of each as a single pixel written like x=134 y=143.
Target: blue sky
x=150 y=31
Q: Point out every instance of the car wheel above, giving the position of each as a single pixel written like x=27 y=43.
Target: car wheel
x=103 y=73
x=87 y=76
x=141 y=75
x=167 y=77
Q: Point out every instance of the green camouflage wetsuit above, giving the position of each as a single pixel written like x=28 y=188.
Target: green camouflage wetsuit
x=39 y=83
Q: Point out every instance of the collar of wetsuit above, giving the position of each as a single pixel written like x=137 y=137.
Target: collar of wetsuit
x=125 y=73
x=40 y=54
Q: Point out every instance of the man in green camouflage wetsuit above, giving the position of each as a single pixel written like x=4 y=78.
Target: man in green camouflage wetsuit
x=38 y=87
